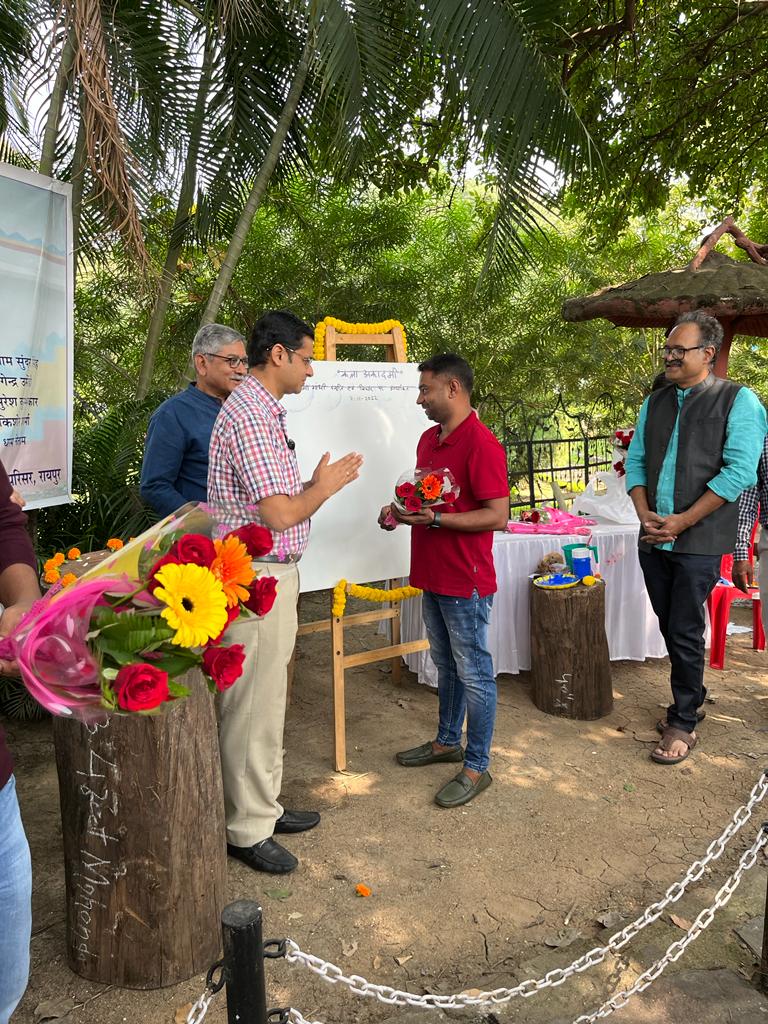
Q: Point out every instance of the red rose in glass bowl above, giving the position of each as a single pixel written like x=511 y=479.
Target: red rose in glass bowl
x=425 y=488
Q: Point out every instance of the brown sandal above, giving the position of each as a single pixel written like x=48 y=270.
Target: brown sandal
x=671 y=736
x=663 y=724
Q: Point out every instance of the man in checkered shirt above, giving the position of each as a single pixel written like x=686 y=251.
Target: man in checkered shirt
x=754 y=499
x=253 y=477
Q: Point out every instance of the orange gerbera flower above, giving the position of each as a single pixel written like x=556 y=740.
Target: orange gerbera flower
x=232 y=567
x=431 y=487
x=114 y=544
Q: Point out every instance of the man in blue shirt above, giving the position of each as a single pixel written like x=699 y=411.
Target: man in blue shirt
x=695 y=449
x=175 y=466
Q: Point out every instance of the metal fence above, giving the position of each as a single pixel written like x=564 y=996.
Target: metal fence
x=551 y=449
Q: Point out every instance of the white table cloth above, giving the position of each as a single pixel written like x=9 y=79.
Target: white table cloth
x=630 y=624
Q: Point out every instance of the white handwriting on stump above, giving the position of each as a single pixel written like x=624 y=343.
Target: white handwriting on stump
x=564 y=689
x=96 y=869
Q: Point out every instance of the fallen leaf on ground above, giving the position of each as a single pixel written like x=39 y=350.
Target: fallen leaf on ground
x=53 y=1009
x=182 y=1012
x=629 y=787
x=565 y=937
x=400 y=960
x=277 y=894
x=377 y=962
x=610 y=919
x=680 y=922
x=348 y=948
x=294 y=915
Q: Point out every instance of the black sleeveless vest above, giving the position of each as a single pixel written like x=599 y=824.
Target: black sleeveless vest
x=701 y=439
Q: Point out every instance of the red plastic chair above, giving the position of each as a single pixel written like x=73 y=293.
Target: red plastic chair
x=719 y=607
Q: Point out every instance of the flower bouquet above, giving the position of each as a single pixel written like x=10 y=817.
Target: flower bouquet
x=425 y=488
x=621 y=443
x=119 y=638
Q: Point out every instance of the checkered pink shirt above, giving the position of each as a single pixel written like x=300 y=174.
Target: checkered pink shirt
x=249 y=459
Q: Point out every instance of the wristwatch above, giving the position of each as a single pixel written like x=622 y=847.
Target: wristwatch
x=436 y=523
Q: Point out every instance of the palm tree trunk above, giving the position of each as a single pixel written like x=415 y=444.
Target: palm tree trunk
x=180 y=223
x=48 y=152
x=79 y=162
x=266 y=171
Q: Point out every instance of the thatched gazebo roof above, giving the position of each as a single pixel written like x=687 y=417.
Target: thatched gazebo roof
x=733 y=291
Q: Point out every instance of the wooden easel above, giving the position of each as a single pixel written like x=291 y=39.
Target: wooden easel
x=395 y=353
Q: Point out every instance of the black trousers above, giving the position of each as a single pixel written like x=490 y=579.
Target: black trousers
x=678 y=585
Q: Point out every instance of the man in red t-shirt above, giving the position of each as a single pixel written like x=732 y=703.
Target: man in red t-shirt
x=452 y=562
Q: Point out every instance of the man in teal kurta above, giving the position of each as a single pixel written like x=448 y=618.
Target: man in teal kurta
x=695 y=449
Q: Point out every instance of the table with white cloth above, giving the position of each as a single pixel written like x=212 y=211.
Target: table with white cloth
x=630 y=623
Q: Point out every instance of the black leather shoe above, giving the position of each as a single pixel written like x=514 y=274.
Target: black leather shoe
x=296 y=821
x=268 y=855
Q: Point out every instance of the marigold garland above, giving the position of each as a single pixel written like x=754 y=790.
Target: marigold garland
x=343 y=588
x=345 y=328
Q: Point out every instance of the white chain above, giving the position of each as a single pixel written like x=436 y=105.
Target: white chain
x=619 y=999
x=676 y=950
x=197 y=1014
x=397 y=997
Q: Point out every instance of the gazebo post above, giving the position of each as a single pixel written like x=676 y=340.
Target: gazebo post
x=721 y=363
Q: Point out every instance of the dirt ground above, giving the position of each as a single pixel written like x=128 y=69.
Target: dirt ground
x=578 y=822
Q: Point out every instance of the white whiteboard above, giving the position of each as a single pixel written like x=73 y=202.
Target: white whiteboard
x=368 y=408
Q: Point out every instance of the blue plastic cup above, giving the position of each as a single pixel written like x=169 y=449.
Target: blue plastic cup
x=582 y=562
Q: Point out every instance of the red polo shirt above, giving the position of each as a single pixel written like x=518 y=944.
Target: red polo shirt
x=444 y=560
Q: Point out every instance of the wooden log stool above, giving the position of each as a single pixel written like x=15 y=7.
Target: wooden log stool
x=142 y=812
x=570 y=666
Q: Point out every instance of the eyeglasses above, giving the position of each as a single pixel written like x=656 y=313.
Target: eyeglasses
x=306 y=359
x=232 y=361
x=677 y=351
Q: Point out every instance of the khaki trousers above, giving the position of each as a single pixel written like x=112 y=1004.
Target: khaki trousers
x=252 y=714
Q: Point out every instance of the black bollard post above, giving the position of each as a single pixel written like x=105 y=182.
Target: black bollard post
x=244 y=963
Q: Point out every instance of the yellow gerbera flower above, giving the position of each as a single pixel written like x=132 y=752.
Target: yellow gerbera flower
x=197 y=606
x=232 y=567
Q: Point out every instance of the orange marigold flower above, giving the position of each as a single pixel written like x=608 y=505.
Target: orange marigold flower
x=68 y=579
x=363 y=890
x=114 y=544
x=431 y=487
x=50 y=564
x=232 y=567
x=58 y=559
x=73 y=553
x=51 y=575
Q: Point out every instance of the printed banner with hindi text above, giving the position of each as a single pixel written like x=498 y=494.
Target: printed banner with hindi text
x=36 y=297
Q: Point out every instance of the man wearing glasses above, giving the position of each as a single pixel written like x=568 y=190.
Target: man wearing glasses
x=695 y=449
x=253 y=477
x=175 y=466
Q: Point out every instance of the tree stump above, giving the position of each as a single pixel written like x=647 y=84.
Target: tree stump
x=570 y=666
x=142 y=812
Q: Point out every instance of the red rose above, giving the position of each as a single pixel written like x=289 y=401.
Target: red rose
x=620 y=469
x=257 y=539
x=413 y=504
x=224 y=664
x=405 y=490
x=263 y=594
x=194 y=548
x=141 y=687
x=449 y=497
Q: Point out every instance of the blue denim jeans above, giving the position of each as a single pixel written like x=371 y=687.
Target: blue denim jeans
x=15 y=903
x=457 y=628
